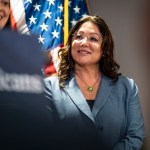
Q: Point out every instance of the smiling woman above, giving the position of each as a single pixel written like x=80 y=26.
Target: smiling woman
x=96 y=107
x=4 y=13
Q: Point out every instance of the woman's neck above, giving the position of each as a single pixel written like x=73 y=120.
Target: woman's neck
x=88 y=71
x=88 y=80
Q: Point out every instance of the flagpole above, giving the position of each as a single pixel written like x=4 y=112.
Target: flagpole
x=66 y=22
x=89 y=10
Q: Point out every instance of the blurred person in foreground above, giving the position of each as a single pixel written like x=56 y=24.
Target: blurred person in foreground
x=25 y=120
x=96 y=107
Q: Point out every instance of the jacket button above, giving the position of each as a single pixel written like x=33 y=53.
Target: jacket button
x=100 y=128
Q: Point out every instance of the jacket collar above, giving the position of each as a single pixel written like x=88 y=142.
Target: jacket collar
x=102 y=95
x=77 y=97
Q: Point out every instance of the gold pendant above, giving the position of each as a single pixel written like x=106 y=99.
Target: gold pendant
x=90 y=89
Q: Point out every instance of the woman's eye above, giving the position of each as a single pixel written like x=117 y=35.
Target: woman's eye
x=93 y=39
x=79 y=37
x=5 y=3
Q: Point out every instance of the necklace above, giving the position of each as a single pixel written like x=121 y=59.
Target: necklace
x=89 y=88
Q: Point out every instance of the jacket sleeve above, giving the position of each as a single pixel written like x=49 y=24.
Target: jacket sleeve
x=48 y=94
x=135 y=134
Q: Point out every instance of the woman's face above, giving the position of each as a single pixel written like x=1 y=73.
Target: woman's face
x=86 y=45
x=4 y=12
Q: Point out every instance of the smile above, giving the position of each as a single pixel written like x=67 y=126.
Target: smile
x=84 y=52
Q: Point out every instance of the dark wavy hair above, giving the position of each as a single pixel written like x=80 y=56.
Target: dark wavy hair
x=107 y=64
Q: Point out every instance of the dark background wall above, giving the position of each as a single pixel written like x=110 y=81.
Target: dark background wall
x=129 y=22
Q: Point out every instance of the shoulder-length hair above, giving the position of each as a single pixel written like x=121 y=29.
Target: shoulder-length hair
x=107 y=64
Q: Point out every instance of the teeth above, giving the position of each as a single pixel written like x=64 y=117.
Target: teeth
x=82 y=51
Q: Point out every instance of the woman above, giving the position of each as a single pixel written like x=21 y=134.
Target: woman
x=89 y=96
x=4 y=13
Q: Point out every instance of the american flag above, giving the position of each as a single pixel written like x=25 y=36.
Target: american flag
x=45 y=18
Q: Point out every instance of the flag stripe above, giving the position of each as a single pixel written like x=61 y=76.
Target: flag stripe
x=12 y=19
x=19 y=16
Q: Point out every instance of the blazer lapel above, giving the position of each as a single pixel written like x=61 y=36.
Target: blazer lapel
x=102 y=95
x=77 y=97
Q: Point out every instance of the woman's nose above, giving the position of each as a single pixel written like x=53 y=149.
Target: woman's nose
x=1 y=5
x=85 y=41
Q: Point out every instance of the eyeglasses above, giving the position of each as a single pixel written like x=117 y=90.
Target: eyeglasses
x=92 y=38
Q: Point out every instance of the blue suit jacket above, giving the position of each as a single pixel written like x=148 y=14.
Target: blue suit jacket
x=116 y=115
